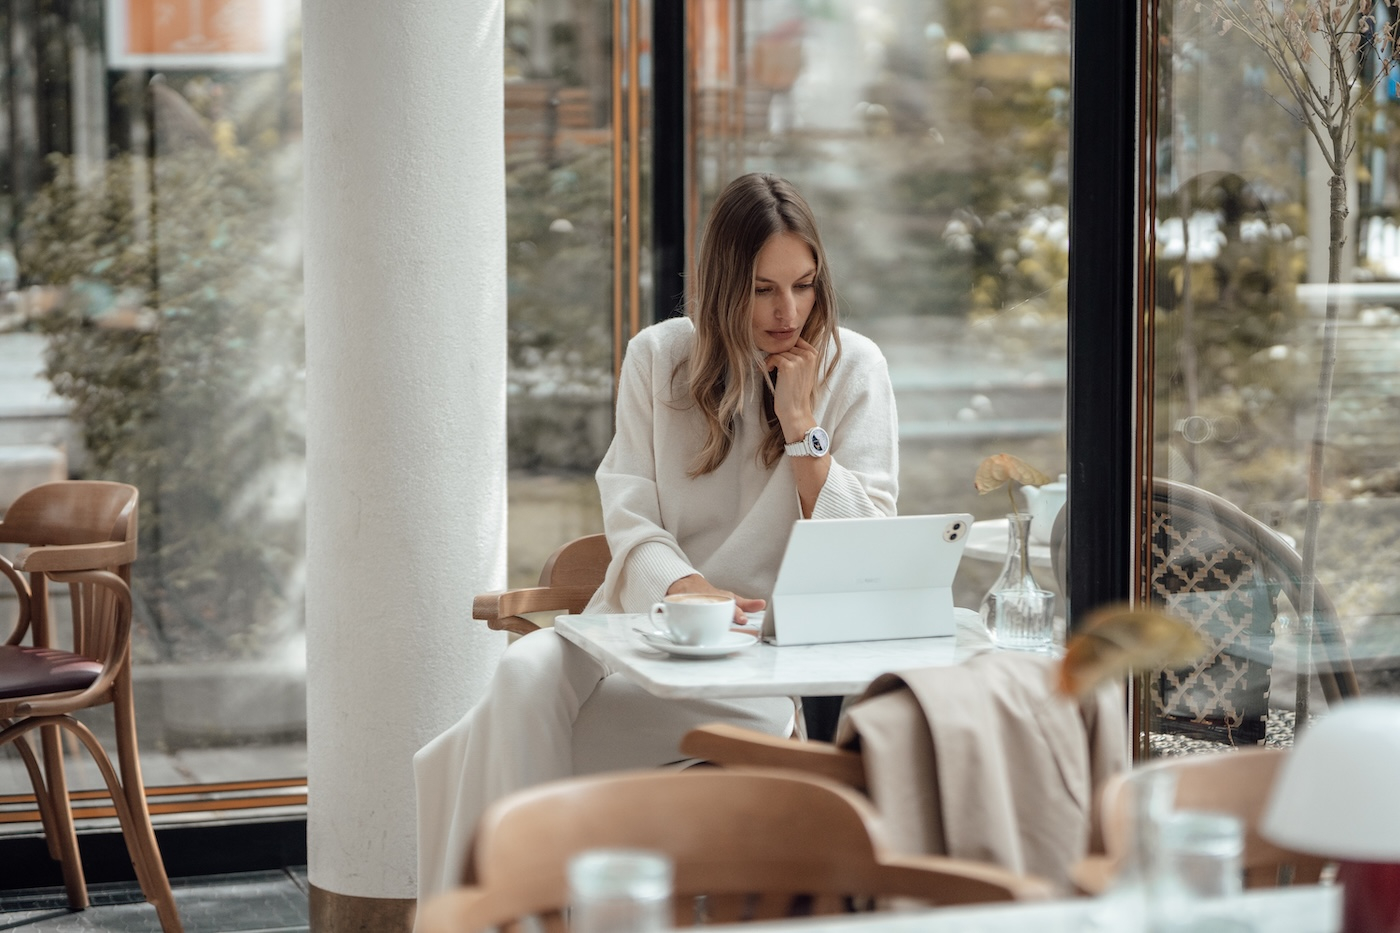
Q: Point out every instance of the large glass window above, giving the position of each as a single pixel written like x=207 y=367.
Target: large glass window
x=150 y=274
x=562 y=152
x=1277 y=498
x=151 y=330
x=931 y=138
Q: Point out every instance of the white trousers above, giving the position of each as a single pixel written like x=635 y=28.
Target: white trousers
x=551 y=711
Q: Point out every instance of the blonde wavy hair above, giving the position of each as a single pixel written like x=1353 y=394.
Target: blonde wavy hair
x=723 y=366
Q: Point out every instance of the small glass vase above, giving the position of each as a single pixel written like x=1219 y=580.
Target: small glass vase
x=1018 y=612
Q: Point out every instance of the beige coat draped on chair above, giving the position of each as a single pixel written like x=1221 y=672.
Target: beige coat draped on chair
x=986 y=761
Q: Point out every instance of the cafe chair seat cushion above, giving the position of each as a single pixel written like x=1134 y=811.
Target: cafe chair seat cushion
x=27 y=671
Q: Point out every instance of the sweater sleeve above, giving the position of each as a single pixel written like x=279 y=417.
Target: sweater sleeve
x=864 y=477
x=646 y=559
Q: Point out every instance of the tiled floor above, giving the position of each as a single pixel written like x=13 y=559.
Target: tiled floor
x=257 y=902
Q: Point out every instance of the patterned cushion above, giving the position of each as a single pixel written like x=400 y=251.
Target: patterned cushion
x=1200 y=576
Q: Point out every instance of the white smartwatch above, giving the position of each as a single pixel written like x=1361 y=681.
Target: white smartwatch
x=815 y=443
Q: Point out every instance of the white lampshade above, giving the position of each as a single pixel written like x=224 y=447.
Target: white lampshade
x=1338 y=794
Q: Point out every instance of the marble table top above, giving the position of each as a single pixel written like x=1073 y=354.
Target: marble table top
x=1301 y=909
x=766 y=670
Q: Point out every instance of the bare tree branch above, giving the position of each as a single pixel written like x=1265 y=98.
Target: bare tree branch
x=1292 y=35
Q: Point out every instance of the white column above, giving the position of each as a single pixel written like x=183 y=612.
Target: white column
x=406 y=456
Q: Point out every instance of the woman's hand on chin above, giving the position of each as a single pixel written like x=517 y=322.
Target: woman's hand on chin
x=793 y=389
x=698 y=584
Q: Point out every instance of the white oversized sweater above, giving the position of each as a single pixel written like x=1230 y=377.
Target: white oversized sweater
x=730 y=525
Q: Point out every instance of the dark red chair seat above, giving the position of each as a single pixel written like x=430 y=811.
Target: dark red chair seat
x=27 y=671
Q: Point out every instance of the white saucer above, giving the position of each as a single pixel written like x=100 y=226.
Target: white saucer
x=730 y=643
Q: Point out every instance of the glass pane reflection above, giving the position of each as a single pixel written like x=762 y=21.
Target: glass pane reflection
x=1242 y=257
x=931 y=138
x=560 y=205
x=152 y=317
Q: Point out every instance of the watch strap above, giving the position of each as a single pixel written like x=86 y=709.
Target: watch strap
x=814 y=443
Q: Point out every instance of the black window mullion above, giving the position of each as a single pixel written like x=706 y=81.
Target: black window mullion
x=1102 y=313
x=668 y=156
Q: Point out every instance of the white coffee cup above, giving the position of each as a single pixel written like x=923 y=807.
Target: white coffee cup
x=698 y=619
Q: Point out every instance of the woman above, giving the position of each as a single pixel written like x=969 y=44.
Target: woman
x=748 y=414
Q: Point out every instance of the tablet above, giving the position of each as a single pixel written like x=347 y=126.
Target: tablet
x=867 y=579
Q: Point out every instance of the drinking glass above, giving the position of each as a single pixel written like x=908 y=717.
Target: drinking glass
x=1202 y=854
x=619 y=891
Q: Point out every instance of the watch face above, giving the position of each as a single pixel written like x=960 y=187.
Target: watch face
x=817 y=442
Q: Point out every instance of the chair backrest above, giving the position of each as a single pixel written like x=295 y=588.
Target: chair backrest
x=580 y=562
x=730 y=746
x=1225 y=570
x=72 y=512
x=71 y=526
x=1233 y=782
x=568 y=580
x=753 y=845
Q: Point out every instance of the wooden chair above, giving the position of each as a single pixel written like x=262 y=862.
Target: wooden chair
x=1233 y=782
x=567 y=582
x=731 y=746
x=938 y=782
x=754 y=845
x=82 y=534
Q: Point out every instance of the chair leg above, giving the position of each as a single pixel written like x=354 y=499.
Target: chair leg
x=140 y=834
x=136 y=829
x=41 y=793
x=65 y=837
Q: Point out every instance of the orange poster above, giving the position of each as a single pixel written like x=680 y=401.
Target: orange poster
x=193 y=33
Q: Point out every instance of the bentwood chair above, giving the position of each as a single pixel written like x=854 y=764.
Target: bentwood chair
x=1233 y=782
x=568 y=580
x=982 y=760
x=82 y=534
x=730 y=746
x=751 y=845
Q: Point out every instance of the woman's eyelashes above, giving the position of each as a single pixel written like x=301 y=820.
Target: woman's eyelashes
x=768 y=289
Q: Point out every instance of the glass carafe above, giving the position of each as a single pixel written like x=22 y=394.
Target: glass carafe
x=1018 y=612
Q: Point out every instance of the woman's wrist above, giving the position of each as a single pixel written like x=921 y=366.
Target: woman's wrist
x=691 y=583
x=796 y=428
x=695 y=583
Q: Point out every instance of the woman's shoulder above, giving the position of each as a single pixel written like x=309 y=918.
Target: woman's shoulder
x=859 y=350
x=665 y=340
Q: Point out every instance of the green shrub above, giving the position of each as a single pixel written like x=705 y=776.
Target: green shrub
x=179 y=346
